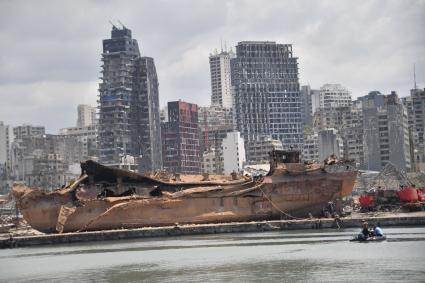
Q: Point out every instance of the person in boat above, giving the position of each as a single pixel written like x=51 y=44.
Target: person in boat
x=377 y=231
x=365 y=233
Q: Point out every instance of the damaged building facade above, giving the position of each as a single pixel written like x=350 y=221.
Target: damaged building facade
x=129 y=120
x=215 y=122
x=386 y=136
x=310 y=101
x=44 y=160
x=180 y=139
x=266 y=93
x=5 y=139
x=334 y=95
x=85 y=132
x=86 y=136
x=331 y=108
x=371 y=131
x=415 y=105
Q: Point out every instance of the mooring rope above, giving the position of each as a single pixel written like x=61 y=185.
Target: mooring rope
x=280 y=210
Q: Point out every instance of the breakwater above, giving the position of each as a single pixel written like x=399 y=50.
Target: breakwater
x=416 y=219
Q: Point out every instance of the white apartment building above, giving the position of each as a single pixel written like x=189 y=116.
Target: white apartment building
x=221 y=83
x=334 y=95
x=233 y=153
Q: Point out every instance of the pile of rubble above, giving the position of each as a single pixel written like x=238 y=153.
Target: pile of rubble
x=8 y=213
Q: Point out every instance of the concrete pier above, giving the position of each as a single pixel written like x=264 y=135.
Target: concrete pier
x=405 y=219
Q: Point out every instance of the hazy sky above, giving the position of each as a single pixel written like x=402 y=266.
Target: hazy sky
x=51 y=50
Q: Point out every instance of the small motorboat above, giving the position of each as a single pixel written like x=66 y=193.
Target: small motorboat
x=369 y=239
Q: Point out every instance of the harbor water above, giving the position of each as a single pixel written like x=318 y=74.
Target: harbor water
x=281 y=256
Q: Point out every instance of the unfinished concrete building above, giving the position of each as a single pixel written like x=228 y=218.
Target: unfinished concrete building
x=266 y=94
x=129 y=120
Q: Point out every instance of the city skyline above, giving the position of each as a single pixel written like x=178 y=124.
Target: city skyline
x=50 y=62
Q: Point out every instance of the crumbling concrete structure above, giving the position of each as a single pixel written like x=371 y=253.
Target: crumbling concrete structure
x=129 y=122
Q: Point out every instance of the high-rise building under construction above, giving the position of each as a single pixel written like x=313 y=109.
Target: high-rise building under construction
x=129 y=122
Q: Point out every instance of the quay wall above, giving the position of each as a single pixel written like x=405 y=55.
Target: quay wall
x=198 y=229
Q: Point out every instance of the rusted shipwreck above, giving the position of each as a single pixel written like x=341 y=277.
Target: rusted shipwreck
x=107 y=198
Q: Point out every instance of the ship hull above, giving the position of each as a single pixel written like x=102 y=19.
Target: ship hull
x=274 y=197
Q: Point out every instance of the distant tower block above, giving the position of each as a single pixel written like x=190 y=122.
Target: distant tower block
x=86 y=115
x=221 y=83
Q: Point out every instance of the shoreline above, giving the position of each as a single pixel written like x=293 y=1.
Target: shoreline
x=385 y=219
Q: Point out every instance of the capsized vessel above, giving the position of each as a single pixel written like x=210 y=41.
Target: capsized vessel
x=108 y=198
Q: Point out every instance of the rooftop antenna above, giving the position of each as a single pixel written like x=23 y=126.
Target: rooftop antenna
x=225 y=46
x=121 y=24
x=414 y=76
x=221 y=44
x=114 y=26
